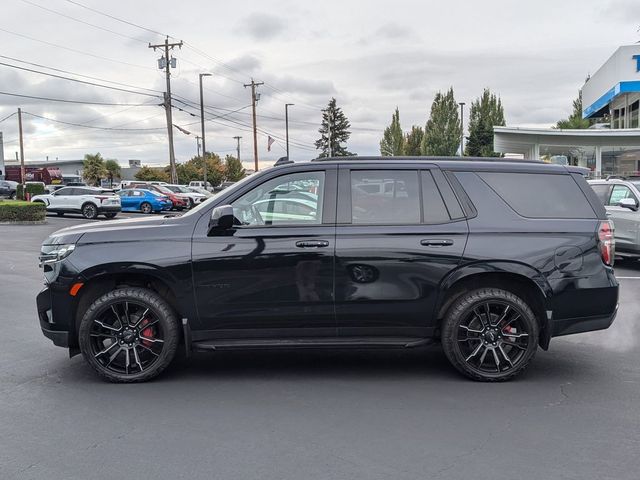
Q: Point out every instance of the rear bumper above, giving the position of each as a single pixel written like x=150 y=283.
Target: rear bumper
x=569 y=326
x=109 y=209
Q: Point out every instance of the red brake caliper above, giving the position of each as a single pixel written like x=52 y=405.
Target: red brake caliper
x=147 y=332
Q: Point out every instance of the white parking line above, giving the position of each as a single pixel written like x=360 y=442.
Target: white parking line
x=627 y=278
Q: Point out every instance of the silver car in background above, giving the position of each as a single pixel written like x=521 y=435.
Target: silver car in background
x=620 y=197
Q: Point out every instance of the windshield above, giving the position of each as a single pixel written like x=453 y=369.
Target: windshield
x=173 y=188
x=198 y=208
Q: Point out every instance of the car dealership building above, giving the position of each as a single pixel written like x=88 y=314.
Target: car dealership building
x=611 y=97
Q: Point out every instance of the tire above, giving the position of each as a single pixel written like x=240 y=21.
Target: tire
x=131 y=362
x=493 y=351
x=191 y=203
x=12 y=196
x=145 y=207
x=110 y=215
x=60 y=214
x=89 y=211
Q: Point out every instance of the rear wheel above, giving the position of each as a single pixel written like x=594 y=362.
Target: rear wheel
x=490 y=335
x=146 y=207
x=129 y=335
x=89 y=211
x=111 y=215
x=60 y=214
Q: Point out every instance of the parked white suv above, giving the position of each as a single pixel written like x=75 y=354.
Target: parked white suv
x=195 y=198
x=89 y=201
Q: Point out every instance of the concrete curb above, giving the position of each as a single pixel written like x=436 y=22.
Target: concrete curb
x=31 y=222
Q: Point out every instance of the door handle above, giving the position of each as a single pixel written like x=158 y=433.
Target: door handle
x=312 y=244
x=435 y=242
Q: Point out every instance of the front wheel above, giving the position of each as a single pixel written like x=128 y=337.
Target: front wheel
x=89 y=211
x=490 y=335
x=129 y=335
x=12 y=196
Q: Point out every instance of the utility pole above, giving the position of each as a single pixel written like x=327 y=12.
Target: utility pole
x=21 y=146
x=254 y=99
x=166 y=64
x=198 y=144
x=204 y=148
x=286 y=121
x=461 y=128
x=238 y=147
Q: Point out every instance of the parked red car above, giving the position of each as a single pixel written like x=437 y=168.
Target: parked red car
x=179 y=201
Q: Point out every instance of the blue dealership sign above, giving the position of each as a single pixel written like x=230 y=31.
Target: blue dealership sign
x=637 y=59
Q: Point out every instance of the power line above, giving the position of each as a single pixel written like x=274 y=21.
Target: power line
x=76 y=80
x=74 y=50
x=118 y=19
x=92 y=126
x=80 y=102
x=8 y=117
x=82 y=21
x=78 y=74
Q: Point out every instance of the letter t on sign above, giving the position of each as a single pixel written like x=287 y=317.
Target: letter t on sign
x=637 y=59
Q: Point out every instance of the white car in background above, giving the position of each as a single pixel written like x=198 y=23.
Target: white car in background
x=195 y=198
x=89 y=201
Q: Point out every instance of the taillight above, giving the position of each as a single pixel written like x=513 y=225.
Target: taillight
x=607 y=242
x=102 y=199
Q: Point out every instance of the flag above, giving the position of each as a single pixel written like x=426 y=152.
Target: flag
x=270 y=142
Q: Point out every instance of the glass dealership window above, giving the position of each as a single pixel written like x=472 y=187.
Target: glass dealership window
x=622 y=161
x=634 y=108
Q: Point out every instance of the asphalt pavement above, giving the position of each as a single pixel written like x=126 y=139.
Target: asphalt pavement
x=574 y=414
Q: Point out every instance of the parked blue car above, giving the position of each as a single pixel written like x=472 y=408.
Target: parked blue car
x=145 y=201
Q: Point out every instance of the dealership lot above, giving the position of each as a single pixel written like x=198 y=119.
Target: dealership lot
x=299 y=415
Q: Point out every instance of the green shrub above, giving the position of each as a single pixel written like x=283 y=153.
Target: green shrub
x=18 y=211
x=31 y=188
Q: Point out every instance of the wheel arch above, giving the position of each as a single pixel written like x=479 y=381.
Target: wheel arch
x=519 y=279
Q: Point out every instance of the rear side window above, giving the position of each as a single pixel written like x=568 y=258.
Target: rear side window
x=602 y=191
x=433 y=206
x=385 y=197
x=538 y=195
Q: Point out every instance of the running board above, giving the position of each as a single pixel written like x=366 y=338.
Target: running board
x=351 y=342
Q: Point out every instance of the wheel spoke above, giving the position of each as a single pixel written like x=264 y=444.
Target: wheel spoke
x=474 y=353
x=513 y=344
x=506 y=357
x=137 y=358
x=511 y=321
x=479 y=315
x=154 y=340
x=115 y=312
x=495 y=356
x=113 y=356
x=149 y=350
x=141 y=318
x=483 y=356
x=470 y=330
x=104 y=325
x=127 y=360
x=126 y=314
x=114 y=344
x=487 y=309
x=516 y=335
x=504 y=315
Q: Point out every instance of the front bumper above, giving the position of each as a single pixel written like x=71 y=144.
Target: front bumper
x=57 y=332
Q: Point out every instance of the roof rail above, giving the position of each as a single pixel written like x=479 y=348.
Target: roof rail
x=425 y=158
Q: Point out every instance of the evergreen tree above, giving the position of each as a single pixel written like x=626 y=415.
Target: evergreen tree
x=442 y=132
x=233 y=170
x=575 y=120
x=413 y=141
x=392 y=143
x=93 y=169
x=486 y=112
x=339 y=132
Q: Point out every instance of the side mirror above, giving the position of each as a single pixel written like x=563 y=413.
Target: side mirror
x=221 y=218
x=629 y=203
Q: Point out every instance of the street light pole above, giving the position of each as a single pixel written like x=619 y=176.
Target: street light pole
x=237 y=138
x=286 y=121
x=462 y=104
x=204 y=151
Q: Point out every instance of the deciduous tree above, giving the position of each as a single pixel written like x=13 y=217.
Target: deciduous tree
x=93 y=168
x=413 y=141
x=442 y=132
x=486 y=112
x=392 y=143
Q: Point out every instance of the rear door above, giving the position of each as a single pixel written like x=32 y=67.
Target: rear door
x=626 y=222
x=400 y=231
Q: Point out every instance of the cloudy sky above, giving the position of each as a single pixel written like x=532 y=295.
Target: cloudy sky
x=371 y=55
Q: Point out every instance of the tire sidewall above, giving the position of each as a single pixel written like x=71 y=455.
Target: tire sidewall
x=146 y=208
x=147 y=298
x=85 y=211
x=459 y=311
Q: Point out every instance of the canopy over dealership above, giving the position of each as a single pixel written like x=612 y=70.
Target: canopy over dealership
x=611 y=96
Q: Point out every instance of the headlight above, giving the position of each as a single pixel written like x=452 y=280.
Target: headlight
x=55 y=253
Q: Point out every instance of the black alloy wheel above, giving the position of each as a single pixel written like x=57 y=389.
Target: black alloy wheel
x=146 y=207
x=89 y=211
x=490 y=335
x=129 y=335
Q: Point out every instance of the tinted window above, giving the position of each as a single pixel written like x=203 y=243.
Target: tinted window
x=539 y=195
x=432 y=203
x=602 y=191
x=618 y=193
x=270 y=204
x=385 y=197
x=64 y=191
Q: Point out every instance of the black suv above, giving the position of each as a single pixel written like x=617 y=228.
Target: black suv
x=490 y=258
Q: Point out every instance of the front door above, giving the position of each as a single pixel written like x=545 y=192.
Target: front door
x=272 y=274
x=399 y=232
